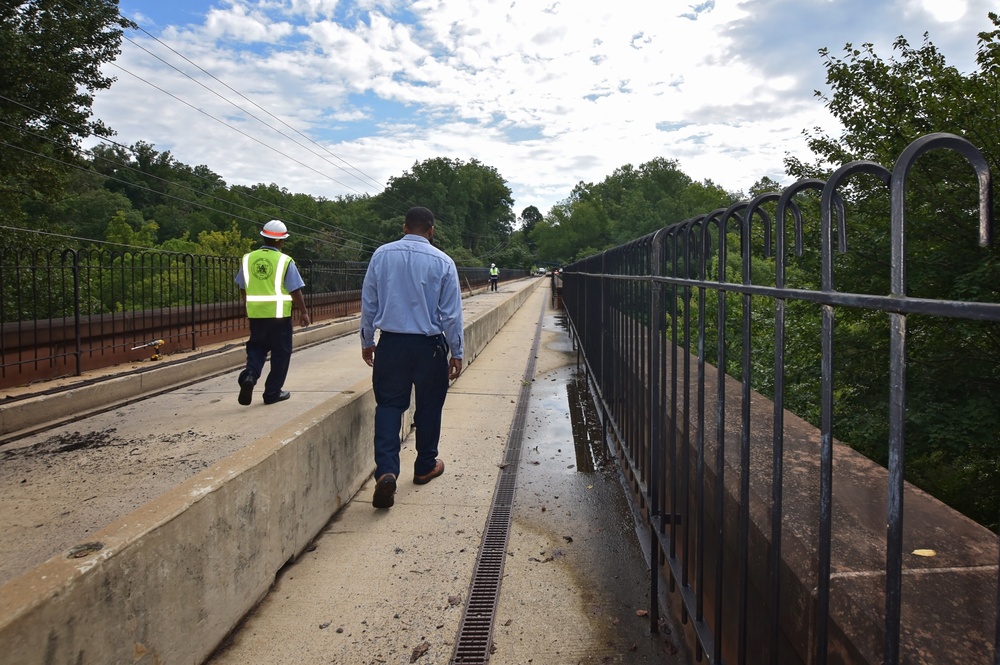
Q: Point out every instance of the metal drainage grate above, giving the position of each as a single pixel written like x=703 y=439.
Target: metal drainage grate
x=475 y=634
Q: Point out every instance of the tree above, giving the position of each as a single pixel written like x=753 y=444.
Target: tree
x=470 y=201
x=953 y=376
x=120 y=232
x=52 y=52
x=629 y=203
x=530 y=217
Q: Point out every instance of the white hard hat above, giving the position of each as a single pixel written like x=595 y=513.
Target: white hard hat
x=275 y=230
x=493 y=265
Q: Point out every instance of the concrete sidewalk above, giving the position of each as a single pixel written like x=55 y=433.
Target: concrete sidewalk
x=151 y=526
x=389 y=586
x=156 y=425
x=378 y=584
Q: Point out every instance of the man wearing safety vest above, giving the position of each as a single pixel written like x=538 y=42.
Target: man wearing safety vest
x=494 y=276
x=270 y=284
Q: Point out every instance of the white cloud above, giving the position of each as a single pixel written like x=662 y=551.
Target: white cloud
x=945 y=11
x=239 y=24
x=548 y=93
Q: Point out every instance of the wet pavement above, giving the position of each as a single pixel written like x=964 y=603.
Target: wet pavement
x=573 y=544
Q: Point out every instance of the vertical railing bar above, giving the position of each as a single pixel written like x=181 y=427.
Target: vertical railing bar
x=4 y=274
x=777 y=435
x=195 y=264
x=672 y=432
x=744 y=529
x=700 y=415
x=655 y=328
x=33 y=299
x=720 y=437
x=635 y=366
x=77 y=333
x=686 y=413
x=826 y=446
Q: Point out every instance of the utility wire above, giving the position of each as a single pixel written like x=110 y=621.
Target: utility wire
x=178 y=184
x=238 y=131
x=241 y=95
x=64 y=236
x=234 y=129
x=142 y=187
x=364 y=175
x=174 y=184
x=378 y=185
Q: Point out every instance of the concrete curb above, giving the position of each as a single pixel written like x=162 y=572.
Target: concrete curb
x=168 y=582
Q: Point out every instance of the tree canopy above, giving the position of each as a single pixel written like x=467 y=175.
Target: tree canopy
x=470 y=200
x=629 y=203
x=953 y=426
x=52 y=52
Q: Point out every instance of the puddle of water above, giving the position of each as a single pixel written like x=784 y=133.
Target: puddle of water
x=565 y=466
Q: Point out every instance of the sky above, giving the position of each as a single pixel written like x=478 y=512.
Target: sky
x=335 y=97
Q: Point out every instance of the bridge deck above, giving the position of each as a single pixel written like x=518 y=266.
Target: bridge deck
x=374 y=586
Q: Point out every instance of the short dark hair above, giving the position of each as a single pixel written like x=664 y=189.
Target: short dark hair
x=419 y=219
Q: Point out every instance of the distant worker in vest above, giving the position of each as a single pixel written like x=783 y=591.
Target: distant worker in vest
x=270 y=285
x=412 y=295
x=494 y=276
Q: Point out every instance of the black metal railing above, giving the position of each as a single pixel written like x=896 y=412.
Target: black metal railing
x=749 y=549
x=66 y=311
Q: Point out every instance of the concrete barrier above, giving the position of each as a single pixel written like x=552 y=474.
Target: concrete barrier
x=169 y=581
x=949 y=598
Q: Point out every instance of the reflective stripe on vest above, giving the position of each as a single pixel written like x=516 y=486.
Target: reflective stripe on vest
x=272 y=300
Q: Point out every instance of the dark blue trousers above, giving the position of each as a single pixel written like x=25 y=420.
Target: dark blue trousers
x=405 y=363
x=274 y=336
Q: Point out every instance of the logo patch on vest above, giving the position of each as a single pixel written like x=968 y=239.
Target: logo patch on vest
x=262 y=269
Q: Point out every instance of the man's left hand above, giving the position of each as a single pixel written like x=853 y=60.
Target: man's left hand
x=368 y=355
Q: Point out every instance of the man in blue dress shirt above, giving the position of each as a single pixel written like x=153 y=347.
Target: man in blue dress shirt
x=411 y=294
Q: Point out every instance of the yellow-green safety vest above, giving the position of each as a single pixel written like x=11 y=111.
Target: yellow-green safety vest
x=494 y=272
x=264 y=277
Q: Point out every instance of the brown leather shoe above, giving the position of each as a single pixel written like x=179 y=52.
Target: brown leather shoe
x=385 y=489
x=434 y=473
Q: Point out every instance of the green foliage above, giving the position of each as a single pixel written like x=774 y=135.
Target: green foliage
x=52 y=53
x=463 y=257
x=470 y=201
x=224 y=243
x=883 y=105
x=627 y=204
x=119 y=232
x=515 y=254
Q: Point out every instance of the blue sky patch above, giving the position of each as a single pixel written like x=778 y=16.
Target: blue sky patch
x=155 y=15
x=521 y=134
x=671 y=126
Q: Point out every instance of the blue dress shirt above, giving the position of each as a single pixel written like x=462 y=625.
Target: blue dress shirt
x=412 y=287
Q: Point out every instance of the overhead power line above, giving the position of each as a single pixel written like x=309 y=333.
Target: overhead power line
x=145 y=188
x=371 y=241
x=354 y=172
x=381 y=188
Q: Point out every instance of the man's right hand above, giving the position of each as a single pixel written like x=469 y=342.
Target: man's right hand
x=368 y=355
x=454 y=368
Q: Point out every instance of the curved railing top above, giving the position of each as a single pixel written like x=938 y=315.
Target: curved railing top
x=832 y=207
